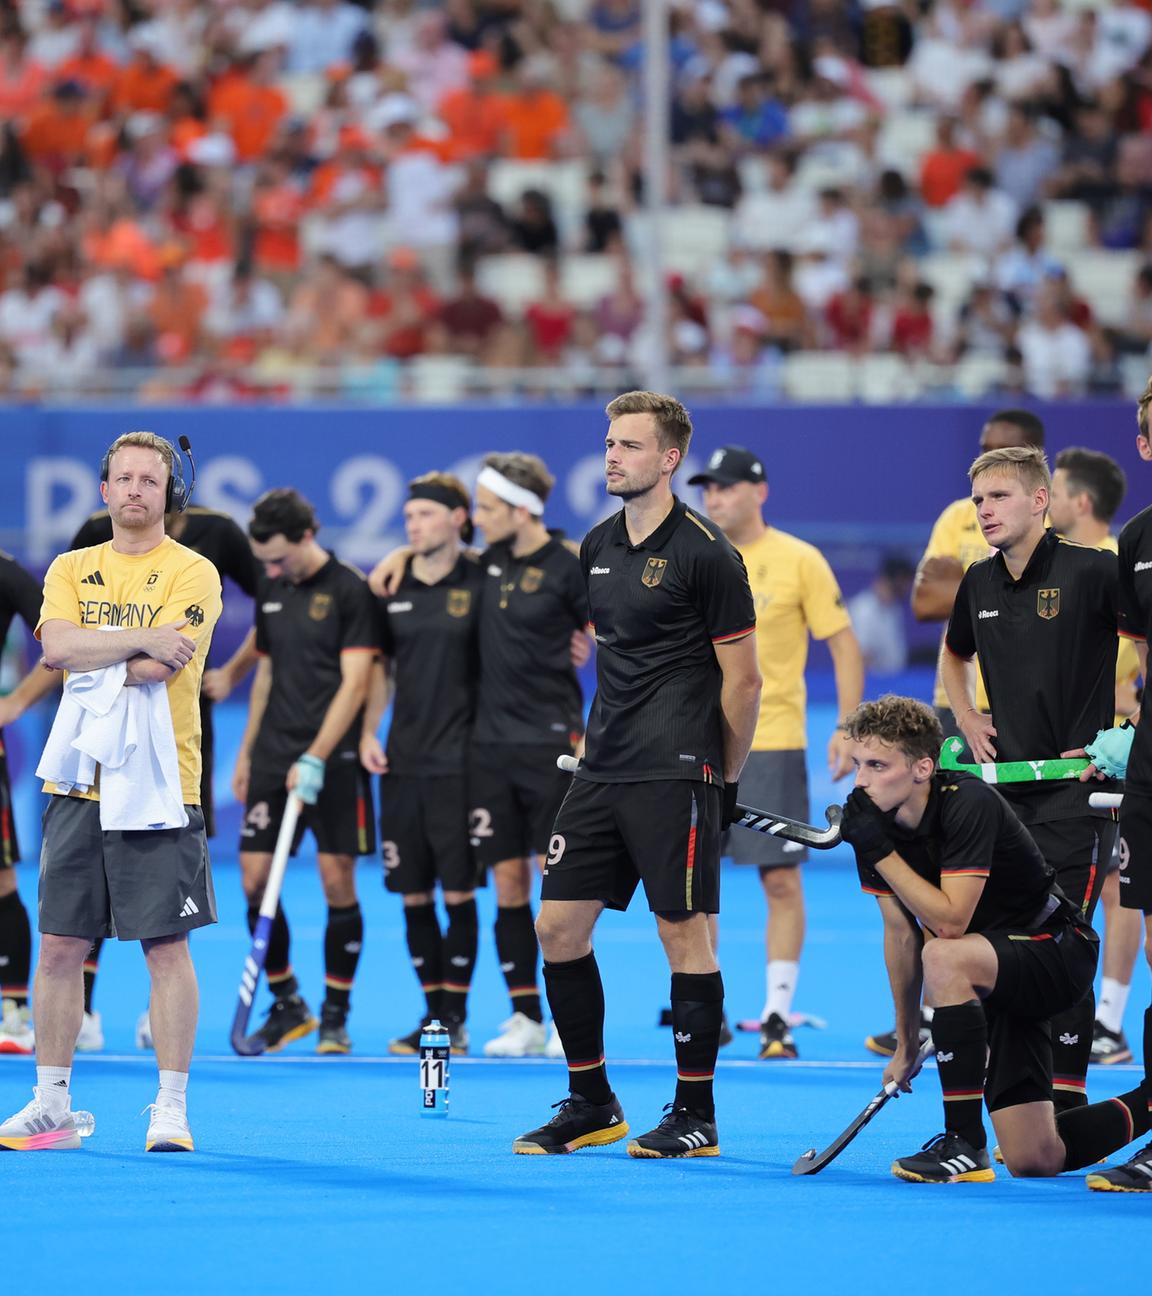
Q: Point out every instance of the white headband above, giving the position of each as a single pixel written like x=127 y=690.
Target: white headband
x=509 y=492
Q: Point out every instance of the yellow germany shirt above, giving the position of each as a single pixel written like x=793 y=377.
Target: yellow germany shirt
x=100 y=587
x=957 y=535
x=795 y=594
x=1127 y=662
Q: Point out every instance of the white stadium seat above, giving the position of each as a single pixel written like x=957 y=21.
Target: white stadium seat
x=819 y=376
x=513 y=279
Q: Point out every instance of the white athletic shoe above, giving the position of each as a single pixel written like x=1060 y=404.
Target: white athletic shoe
x=144 y=1031
x=519 y=1036
x=554 y=1048
x=167 y=1130
x=16 y=1028
x=91 y=1037
x=33 y=1130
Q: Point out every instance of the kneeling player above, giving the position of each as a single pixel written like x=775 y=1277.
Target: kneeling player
x=946 y=857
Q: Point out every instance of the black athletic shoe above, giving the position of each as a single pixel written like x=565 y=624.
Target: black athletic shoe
x=334 y=1037
x=1109 y=1047
x=776 y=1040
x=680 y=1134
x=1132 y=1176
x=288 y=1019
x=947 y=1158
x=410 y=1043
x=885 y=1042
x=457 y=1036
x=577 y=1124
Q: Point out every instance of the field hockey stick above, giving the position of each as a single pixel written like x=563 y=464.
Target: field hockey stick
x=244 y=1044
x=766 y=821
x=1029 y=771
x=1106 y=800
x=813 y=1162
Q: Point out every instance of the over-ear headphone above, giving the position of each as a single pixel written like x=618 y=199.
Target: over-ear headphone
x=179 y=491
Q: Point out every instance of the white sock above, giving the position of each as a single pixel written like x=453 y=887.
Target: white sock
x=1111 y=1004
x=781 y=979
x=173 y=1090
x=52 y=1084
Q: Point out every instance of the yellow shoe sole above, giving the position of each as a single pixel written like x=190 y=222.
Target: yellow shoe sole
x=328 y=1047
x=648 y=1154
x=170 y=1145
x=777 y=1052
x=1099 y=1184
x=54 y=1141
x=969 y=1176
x=873 y=1047
x=297 y=1032
x=598 y=1138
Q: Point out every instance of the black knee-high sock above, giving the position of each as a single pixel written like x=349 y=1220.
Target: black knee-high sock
x=1091 y=1133
x=343 y=938
x=425 y=948
x=91 y=967
x=576 y=998
x=517 y=950
x=1148 y=1060
x=461 y=941
x=697 y=1011
x=15 y=948
x=1071 y=1052
x=278 y=961
x=960 y=1033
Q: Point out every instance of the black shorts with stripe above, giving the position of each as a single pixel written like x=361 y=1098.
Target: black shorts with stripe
x=1040 y=974
x=1078 y=849
x=515 y=792
x=9 y=846
x=424 y=834
x=342 y=821
x=610 y=837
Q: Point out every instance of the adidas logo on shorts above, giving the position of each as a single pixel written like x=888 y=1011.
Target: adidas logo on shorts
x=190 y=908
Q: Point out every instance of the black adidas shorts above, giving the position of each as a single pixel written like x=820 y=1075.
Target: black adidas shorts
x=1041 y=974
x=341 y=821
x=9 y=846
x=515 y=793
x=1136 y=852
x=132 y=885
x=609 y=837
x=424 y=834
x=1078 y=849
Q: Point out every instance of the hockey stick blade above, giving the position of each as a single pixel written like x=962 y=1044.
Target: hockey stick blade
x=812 y=1162
x=794 y=830
x=1029 y=771
x=242 y=1043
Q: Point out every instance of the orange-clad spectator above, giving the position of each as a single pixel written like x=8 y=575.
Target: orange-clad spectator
x=474 y=114
x=347 y=201
x=351 y=159
x=535 y=118
x=944 y=167
x=202 y=221
x=22 y=80
x=549 y=318
x=90 y=65
x=115 y=240
x=59 y=132
x=326 y=311
x=187 y=118
x=145 y=84
x=250 y=105
x=177 y=307
x=405 y=309
x=278 y=207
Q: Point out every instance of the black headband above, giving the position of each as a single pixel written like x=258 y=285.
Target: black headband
x=446 y=495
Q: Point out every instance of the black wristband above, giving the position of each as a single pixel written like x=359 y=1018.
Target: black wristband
x=728 y=812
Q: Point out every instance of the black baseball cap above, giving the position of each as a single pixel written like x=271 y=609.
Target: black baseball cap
x=728 y=465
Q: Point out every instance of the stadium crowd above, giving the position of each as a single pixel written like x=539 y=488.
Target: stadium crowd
x=216 y=200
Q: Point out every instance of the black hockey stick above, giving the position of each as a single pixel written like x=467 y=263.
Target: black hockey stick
x=813 y=1162
x=244 y=1044
x=765 y=821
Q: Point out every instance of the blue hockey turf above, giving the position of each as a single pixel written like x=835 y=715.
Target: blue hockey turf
x=318 y=1172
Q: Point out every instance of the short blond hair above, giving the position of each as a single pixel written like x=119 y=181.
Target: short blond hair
x=673 y=423
x=1026 y=463
x=901 y=722
x=1142 y=411
x=146 y=441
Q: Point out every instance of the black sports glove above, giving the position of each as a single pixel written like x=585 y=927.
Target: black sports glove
x=728 y=813
x=865 y=829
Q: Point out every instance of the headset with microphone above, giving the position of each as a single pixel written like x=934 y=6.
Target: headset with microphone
x=179 y=490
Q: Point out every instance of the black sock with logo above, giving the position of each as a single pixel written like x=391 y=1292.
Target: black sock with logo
x=461 y=942
x=518 y=952
x=91 y=967
x=960 y=1033
x=576 y=998
x=1071 y=1053
x=343 y=938
x=425 y=950
x=278 y=961
x=697 y=1013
